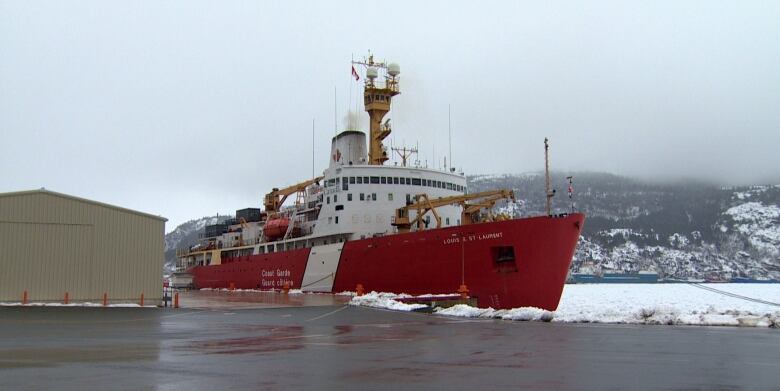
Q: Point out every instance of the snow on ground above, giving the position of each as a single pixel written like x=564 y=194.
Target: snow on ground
x=669 y=304
x=672 y=304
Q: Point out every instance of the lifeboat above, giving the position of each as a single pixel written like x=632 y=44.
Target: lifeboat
x=276 y=228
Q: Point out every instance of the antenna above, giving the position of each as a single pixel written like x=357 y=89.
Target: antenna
x=549 y=193
x=449 y=131
x=335 y=112
x=571 y=190
x=312 y=147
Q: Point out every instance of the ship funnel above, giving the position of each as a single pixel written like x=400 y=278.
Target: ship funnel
x=347 y=148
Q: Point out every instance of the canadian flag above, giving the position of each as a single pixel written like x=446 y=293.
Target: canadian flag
x=355 y=74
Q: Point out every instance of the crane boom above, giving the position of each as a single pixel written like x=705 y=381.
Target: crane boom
x=423 y=204
x=274 y=200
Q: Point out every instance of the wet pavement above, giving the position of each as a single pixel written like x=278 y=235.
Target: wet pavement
x=325 y=346
x=239 y=299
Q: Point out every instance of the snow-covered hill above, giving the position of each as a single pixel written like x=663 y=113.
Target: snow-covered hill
x=683 y=230
x=184 y=235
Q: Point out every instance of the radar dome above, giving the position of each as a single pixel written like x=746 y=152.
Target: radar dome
x=393 y=69
x=371 y=73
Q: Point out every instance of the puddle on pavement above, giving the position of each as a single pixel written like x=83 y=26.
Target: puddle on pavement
x=256 y=299
x=47 y=357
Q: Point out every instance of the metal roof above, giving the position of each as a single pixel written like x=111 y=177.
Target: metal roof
x=79 y=199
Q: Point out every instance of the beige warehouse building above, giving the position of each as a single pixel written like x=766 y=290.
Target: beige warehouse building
x=52 y=243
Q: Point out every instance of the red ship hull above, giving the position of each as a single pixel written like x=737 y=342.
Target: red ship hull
x=506 y=264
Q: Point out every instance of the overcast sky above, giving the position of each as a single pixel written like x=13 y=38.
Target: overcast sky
x=187 y=108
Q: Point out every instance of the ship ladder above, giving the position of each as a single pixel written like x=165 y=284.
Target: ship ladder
x=290 y=225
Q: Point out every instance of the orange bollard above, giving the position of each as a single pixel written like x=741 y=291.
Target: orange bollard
x=176 y=300
x=24 y=298
x=67 y=299
x=286 y=287
x=464 y=291
x=232 y=286
x=105 y=299
x=142 y=299
x=359 y=290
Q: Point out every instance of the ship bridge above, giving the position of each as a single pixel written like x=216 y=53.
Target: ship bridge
x=361 y=199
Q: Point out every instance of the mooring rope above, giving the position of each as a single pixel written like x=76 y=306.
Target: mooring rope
x=734 y=295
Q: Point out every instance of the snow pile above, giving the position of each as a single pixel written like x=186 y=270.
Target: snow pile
x=663 y=304
x=384 y=300
x=524 y=313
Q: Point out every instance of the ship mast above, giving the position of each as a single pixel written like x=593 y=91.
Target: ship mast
x=377 y=98
x=405 y=153
x=549 y=192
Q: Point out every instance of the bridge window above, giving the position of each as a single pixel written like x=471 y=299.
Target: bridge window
x=384 y=180
x=416 y=181
x=328 y=200
x=365 y=179
x=362 y=197
x=360 y=180
x=395 y=180
x=448 y=221
x=373 y=196
x=408 y=181
x=335 y=198
x=390 y=180
x=345 y=184
x=351 y=180
x=374 y=179
x=349 y=196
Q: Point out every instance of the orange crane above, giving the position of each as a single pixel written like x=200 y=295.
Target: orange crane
x=423 y=204
x=273 y=201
